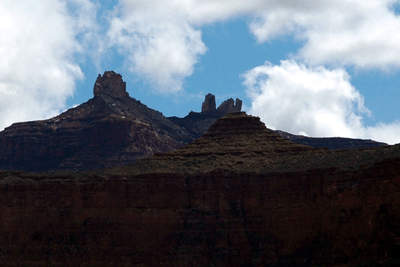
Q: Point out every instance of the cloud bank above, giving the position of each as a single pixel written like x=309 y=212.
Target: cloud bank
x=312 y=101
x=364 y=34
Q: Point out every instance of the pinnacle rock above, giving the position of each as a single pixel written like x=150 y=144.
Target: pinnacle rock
x=208 y=105
x=110 y=84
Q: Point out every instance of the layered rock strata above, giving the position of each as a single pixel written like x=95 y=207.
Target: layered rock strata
x=333 y=143
x=239 y=196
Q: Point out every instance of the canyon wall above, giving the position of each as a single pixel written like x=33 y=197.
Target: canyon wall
x=313 y=218
x=239 y=196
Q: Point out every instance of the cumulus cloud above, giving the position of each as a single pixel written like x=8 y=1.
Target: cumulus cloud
x=363 y=34
x=313 y=101
x=160 y=46
x=162 y=39
x=37 y=66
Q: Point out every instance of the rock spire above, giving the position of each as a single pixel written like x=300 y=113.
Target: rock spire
x=111 y=84
x=228 y=106
x=209 y=105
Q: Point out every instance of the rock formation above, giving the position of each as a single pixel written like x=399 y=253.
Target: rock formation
x=198 y=123
x=110 y=129
x=239 y=196
x=230 y=106
x=209 y=105
x=110 y=84
x=113 y=129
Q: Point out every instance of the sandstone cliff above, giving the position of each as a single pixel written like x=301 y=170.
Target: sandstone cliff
x=239 y=196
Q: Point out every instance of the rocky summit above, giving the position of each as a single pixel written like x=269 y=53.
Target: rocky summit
x=108 y=130
x=114 y=129
x=241 y=195
x=111 y=129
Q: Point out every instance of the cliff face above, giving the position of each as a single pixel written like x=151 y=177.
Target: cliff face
x=239 y=196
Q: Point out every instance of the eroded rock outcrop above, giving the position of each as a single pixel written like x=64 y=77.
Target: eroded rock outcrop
x=209 y=105
x=109 y=130
x=229 y=105
x=239 y=196
x=198 y=123
x=110 y=84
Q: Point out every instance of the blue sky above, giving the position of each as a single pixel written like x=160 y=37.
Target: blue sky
x=307 y=67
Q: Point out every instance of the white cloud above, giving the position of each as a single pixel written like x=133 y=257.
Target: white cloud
x=357 y=33
x=159 y=44
x=313 y=101
x=37 y=48
x=162 y=39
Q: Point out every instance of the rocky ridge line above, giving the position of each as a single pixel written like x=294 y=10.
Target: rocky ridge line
x=108 y=130
x=113 y=129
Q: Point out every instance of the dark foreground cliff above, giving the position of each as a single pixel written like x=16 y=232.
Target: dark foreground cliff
x=239 y=196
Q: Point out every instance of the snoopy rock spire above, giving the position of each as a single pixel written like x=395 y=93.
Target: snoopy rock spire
x=111 y=84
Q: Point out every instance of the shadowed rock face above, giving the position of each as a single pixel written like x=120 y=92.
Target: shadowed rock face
x=110 y=129
x=113 y=129
x=229 y=106
x=333 y=143
x=110 y=84
x=239 y=196
x=209 y=106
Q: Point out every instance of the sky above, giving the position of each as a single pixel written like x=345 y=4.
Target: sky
x=309 y=67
